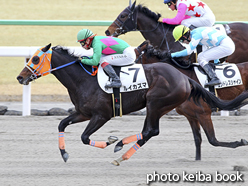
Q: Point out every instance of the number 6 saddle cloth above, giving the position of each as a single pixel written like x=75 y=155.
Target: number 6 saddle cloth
x=228 y=74
x=132 y=78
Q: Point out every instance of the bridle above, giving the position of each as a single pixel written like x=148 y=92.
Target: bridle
x=123 y=26
x=131 y=21
x=45 y=61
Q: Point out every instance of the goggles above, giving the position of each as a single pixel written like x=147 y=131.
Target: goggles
x=169 y=4
x=83 y=42
x=182 y=39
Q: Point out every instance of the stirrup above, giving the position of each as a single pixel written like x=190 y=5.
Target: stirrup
x=114 y=84
x=213 y=82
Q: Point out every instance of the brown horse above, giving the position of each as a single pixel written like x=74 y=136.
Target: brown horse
x=197 y=116
x=140 y=18
x=168 y=88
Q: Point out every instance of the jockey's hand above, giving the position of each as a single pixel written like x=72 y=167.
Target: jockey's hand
x=168 y=55
x=160 y=19
x=79 y=60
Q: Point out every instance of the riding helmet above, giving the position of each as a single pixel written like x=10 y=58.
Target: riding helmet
x=179 y=31
x=84 y=34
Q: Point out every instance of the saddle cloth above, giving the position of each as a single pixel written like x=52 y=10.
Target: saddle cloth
x=228 y=74
x=132 y=78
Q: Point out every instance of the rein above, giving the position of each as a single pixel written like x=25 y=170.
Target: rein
x=141 y=53
x=94 y=68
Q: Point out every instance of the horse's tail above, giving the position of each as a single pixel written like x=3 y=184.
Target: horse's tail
x=198 y=92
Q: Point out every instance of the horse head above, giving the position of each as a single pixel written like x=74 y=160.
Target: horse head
x=38 y=65
x=124 y=23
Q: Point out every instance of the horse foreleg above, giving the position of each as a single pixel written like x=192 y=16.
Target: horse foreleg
x=127 y=140
x=95 y=123
x=73 y=118
x=103 y=144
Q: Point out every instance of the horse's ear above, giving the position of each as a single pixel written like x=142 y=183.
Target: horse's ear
x=133 y=5
x=46 y=48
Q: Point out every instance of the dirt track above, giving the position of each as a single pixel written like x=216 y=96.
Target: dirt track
x=30 y=156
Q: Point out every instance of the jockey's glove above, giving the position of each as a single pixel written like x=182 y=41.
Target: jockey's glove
x=169 y=55
x=160 y=19
x=79 y=60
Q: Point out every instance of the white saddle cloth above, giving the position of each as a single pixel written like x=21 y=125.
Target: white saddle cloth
x=132 y=78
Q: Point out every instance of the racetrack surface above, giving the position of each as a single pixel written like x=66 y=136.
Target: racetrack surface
x=30 y=155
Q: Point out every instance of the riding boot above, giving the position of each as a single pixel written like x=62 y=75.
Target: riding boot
x=116 y=82
x=214 y=80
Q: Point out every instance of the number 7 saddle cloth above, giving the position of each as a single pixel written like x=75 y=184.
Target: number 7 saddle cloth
x=132 y=78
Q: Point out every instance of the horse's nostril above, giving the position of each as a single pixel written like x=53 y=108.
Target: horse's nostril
x=20 y=79
x=107 y=33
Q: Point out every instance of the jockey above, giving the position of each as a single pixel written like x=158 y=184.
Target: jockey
x=190 y=13
x=107 y=51
x=220 y=46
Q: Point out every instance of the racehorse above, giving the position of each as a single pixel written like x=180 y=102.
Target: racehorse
x=168 y=88
x=196 y=116
x=140 y=18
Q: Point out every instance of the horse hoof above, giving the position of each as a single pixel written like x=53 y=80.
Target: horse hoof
x=65 y=156
x=112 y=139
x=117 y=148
x=244 y=141
x=116 y=163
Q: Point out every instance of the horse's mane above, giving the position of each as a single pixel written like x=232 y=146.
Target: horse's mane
x=148 y=12
x=64 y=51
x=151 y=14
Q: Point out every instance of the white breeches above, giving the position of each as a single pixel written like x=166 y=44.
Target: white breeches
x=207 y=20
x=127 y=58
x=225 y=48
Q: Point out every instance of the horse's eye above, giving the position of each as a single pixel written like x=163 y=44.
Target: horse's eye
x=123 y=16
x=35 y=60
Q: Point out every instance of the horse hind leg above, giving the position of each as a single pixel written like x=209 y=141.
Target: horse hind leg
x=127 y=140
x=195 y=126
x=151 y=128
x=207 y=125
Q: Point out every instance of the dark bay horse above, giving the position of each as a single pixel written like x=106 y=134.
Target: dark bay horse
x=197 y=116
x=168 y=88
x=140 y=18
